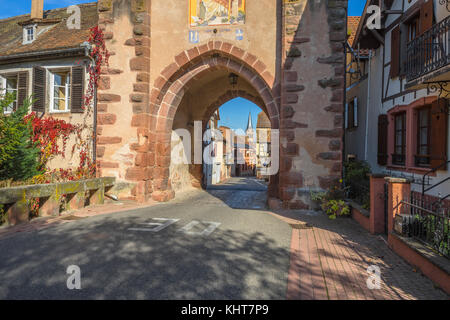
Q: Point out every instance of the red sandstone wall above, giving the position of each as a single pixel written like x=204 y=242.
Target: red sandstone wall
x=303 y=94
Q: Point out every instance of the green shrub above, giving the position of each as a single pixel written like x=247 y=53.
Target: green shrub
x=357 y=180
x=335 y=208
x=332 y=202
x=356 y=171
x=2 y=214
x=318 y=196
x=19 y=156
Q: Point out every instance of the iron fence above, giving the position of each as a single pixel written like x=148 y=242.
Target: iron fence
x=427 y=221
x=428 y=52
x=359 y=192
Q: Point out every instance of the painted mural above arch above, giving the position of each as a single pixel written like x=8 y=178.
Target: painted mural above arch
x=204 y=13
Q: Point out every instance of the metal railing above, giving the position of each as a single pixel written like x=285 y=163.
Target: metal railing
x=426 y=221
x=442 y=165
x=359 y=192
x=398 y=159
x=429 y=52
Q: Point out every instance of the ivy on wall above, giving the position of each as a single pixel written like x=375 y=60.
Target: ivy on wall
x=51 y=135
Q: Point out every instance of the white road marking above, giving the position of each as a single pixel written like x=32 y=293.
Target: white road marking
x=206 y=232
x=260 y=183
x=159 y=226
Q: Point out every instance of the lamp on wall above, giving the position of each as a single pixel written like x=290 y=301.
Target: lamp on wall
x=233 y=78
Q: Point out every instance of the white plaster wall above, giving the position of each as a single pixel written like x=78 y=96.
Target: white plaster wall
x=71 y=160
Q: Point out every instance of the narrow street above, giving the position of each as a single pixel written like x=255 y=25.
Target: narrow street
x=244 y=254
x=216 y=244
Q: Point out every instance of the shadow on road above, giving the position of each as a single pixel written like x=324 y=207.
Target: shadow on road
x=119 y=264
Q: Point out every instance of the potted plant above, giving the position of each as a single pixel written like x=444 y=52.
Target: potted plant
x=336 y=208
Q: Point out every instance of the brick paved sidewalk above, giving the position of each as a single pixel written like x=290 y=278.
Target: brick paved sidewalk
x=330 y=261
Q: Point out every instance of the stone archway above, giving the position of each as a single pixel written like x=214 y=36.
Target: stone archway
x=171 y=92
x=293 y=57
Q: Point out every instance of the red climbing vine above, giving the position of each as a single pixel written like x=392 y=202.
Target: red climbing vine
x=100 y=55
x=52 y=135
x=47 y=132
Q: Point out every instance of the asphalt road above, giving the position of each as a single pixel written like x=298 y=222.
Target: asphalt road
x=241 y=184
x=214 y=251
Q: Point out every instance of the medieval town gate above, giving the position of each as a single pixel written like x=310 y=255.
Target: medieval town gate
x=170 y=65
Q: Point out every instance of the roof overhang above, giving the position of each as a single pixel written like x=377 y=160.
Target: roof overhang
x=43 y=55
x=39 y=22
x=371 y=38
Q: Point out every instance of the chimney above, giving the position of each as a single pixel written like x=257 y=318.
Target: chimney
x=37 y=9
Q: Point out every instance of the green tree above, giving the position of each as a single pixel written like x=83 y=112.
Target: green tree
x=18 y=154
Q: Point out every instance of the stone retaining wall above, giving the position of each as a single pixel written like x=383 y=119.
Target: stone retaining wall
x=17 y=200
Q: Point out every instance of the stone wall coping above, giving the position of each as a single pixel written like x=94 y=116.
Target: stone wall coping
x=397 y=180
x=439 y=261
x=377 y=175
x=13 y=194
x=358 y=207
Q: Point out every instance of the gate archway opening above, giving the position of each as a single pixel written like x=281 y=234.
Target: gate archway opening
x=235 y=150
x=192 y=95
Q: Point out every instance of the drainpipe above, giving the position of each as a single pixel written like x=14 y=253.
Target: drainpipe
x=366 y=149
x=345 y=99
x=94 y=140
x=87 y=48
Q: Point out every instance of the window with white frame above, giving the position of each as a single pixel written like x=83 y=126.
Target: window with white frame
x=29 y=34
x=351 y=114
x=8 y=84
x=60 y=91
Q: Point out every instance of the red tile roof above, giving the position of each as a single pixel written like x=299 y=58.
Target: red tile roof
x=58 y=36
x=352 y=27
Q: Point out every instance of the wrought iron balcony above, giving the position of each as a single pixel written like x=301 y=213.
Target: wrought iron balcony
x=429 y=52
x=398 y=159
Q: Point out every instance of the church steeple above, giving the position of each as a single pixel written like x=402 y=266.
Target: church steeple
x=250 y=132
x=249 y=123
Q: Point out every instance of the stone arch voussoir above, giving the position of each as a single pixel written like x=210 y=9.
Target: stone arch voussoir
x=191 y=63
x=169 y=87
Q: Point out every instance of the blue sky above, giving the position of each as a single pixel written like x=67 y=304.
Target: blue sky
x=234 y=114
x=355 y=7
x=9 y=8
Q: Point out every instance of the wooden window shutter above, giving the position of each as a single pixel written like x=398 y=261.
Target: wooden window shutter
x=426 y=16
x=77 y=90
x=395 y=52
x=22 y=87
x=439 y=115
x=39 y=89
x=403 y=49
x=426 y=22
x=382 y=139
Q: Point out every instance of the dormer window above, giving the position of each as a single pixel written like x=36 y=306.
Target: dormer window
x=29 y=34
